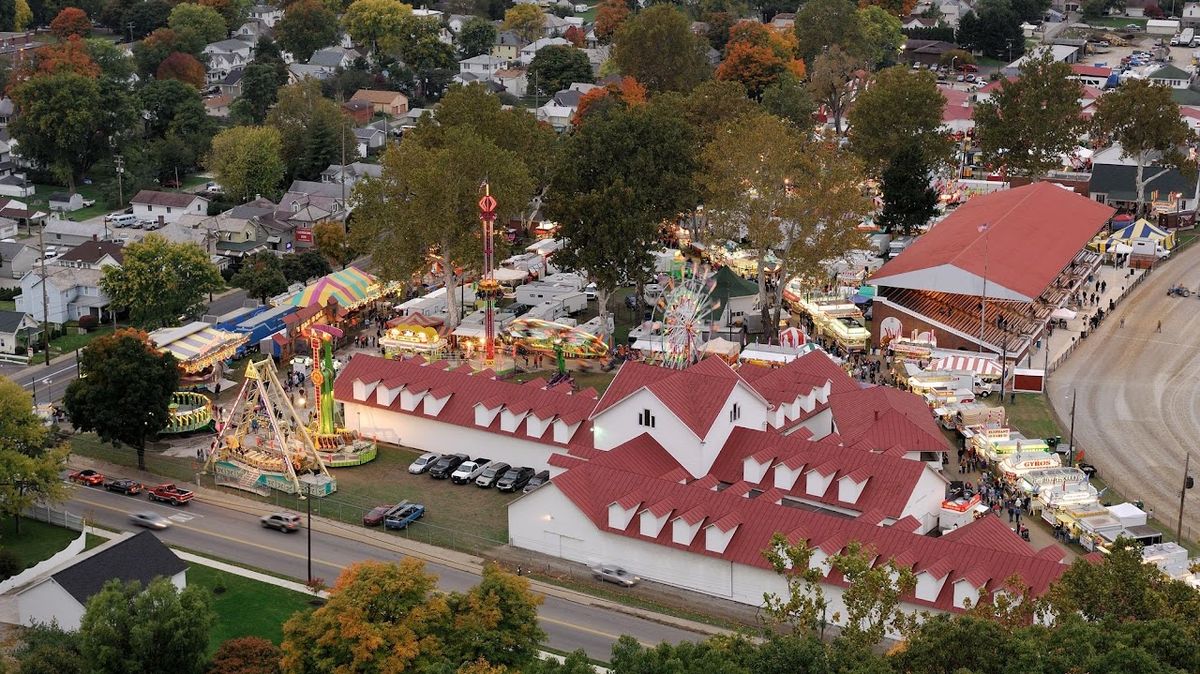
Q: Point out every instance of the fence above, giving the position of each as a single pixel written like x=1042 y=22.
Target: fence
x=73 y=548
x=50 y=515
x=1062 y=358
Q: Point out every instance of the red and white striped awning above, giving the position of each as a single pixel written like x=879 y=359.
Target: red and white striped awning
x=966 y=364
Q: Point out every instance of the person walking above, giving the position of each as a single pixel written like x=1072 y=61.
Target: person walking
x=1159 y=328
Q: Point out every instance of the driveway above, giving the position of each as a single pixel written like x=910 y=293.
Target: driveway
x=1139 y=393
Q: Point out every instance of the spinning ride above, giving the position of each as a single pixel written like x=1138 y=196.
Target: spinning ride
x=190 y=411
x=562 y=340
x=681 y=317
x=336 y=445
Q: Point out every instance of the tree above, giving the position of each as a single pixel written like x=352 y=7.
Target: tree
x=557 y=67
x=495 y=621
x=261 y=276
x=425 y=201
x=620 y=174
x=880 y=36
x=260 y=90
x=68 y=56
x=71 y=21
x=1144 y=120
x=234 y=12
x=610 y=16
x=300 y=267
x=657 y=48
x=20 y=429
x=332 y=241
x=756 y=68
x=172 y=106
x=159 y=281
x=994 y=29
x=247 y=160
x=576 y=36
x=872 y=599
x=246 y=655
x=526 y=20
x=420 y=46
x=833 y=83
x=30 y=467
x=49 y=649
x=476 y=37
x=1029 y=123
x=197 y=23
x=375 y=23
x=896 y=8
x=58 y=117
x=306 y=26
x=313 y=131
x=182 y=67
x=154 y=49
x=22 y=15
x=789 y=100
x=124 y=390
x=125 y=629
x=955 y=58
x=900 y=108
x=147 y=16
x=625 y=93
x=825 y=24
x=909 y=201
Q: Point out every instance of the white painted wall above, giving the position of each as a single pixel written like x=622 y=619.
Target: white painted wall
x=198 y=206
x=49 y=602
x=926 y=500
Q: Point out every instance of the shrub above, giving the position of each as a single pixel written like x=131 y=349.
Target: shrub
x=9 y=564
x=87 y=322
x=246 y=655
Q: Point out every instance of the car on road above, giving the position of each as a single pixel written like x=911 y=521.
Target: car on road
x=124 y=486
x=169 y=493
x=447 y=465
x=285 y=522
x=87 y=477
x=404 y=516
x=423 y=463
x=493 y=472
x=611 y=573
x=515 y=478
x=537 y=481
x=150 y=520
x=467 y=471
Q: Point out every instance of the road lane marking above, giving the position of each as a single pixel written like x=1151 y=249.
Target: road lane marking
x=589 y=630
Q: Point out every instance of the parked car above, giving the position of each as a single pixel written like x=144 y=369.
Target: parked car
x=446 y=465
x=150 y=520
x=87 y=477
x=124 y=486
x=537 y=481
x=169 y=493
x=515 y=478
x=423 y=463
x=285 y=522
x=1088 y=469
x=467 y=471
x=611 y=573
x=492 y=473
x=374 y=516
x=409 y=513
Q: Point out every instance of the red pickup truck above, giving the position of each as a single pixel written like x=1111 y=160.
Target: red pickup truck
x=169 y=493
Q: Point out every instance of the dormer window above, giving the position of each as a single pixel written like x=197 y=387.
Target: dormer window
x=735 y=413
x=645 y=418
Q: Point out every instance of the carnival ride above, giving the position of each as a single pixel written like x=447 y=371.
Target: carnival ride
x=337 y=446
x=564 y=341
x=263 y=443
x=680 y=317
x=190 y=411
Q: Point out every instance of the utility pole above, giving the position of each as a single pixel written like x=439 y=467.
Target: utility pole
x=45 y=294
x=130 y=27
x=119 y=163
x=1187 y=484
x=1071 y=440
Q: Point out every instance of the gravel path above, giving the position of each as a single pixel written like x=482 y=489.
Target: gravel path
x=1139 y=393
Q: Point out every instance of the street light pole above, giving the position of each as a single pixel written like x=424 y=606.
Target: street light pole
x=308 y=504
x=1071 y=440
x=1187 y=483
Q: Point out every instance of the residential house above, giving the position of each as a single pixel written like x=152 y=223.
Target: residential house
x=912 y=22
x=61 y=232
x=368 y=139
x=409 y=120
x=785 y=21
x=309 y=201
x=71 y=293
x=926 y=52
x=12 y=182
x=1191 y=115
x=530 y=50
x=93 y=255
x=61 y=595
x=558 y=111
x=65 y=203
x=19 y=211
x=513 y=80
x=597 y=56
x=268 y=14
x=1060 y=53
x=1114 y=182
x=165 y=207
x=350 y=174
x=17 y=328
x=8 y=228
x=16 y=259
x=359 y=112
x=334 y=57
x=218 y=106
x=391 y=103
x=225 y=55
x=483 y=66
x=301 y=71
x=952 y=11
x=456 y=22
x=231 y=84
x=508 y=46
x=1171 y=76
x=236 y=233
x=554 y=25
x=1191 y=15
x=7 y=111
x=252 y=31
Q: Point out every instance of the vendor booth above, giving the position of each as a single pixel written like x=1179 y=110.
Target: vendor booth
x=1016 y=466
x=351 y=288
x=414 y=335
x=837 y=319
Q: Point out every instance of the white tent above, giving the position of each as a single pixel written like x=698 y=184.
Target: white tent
x=506 y=275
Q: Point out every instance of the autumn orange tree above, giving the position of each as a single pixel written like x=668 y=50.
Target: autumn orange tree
x=182 y=67
x=756 y=56
x=71 y=21
x=626 y=92
x=609 y=17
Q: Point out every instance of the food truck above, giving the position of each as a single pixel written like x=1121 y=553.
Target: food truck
x=960 y=511
x=1016 y=466
x=1035 y=481
x=1065 y=504
x=837 y=319
x=997 y=443
x=977 y=416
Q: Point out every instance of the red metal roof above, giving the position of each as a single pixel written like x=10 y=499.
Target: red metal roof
x=1032 y=234
x=989 y=531
x=1090 y=71
x=879 y=418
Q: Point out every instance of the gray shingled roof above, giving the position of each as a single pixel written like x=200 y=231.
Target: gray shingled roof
x=141 y=557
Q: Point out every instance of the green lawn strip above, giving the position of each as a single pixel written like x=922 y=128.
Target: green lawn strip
x=74 y=340
x=8 y=305
x=246 y=607
x=36 y=542
x=1115 y=21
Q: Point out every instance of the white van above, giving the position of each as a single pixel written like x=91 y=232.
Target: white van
x=120 y=219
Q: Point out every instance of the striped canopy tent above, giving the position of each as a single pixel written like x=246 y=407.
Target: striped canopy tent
x=1144 y=229
x=351 y=288
x=982 y=366
x=197 y=345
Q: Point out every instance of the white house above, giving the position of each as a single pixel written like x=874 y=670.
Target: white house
x=225 y=55
x=514 y=80
x=1191 y=14
x=483 y=66
x=16 y=328
x=1171 y=76
x=268 y=14
x=16 y=259
x=62 y=594
x=71 y=233
x=525 y=56
x=165 y=207
x=70 y=293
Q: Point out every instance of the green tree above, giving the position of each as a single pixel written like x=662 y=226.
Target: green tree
x=994 y=29
x=880 y=36
x=476 y=37
x=20 y=429
x=114 y=63
x=375 y=23
x=425 y=201
x=526 y=20
x=159 y=281
x=30 y=468
x=171 y=105
x=313 y=130
x=824 y=24
x=49 y=649
x=872 y=598
x=1143 y=118
x=420 y=46
x=833 y=83
x=306 y=26
x=261 y=276
x=128 y=629
x=147 y=16
x=1029 y=123
x=58 y=117
x=557 y=67
x=788 y=99
x=124 y=390
x=247 y=161
x=497 y=621
x=301 y=267
x=246 y=655
x=333 y=242
x=260 y=84
x=899 y=109
x=658 y=48
x=909 y=201
x=197 y=23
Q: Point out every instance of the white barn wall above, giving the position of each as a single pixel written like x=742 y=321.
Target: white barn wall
x=48 y=602
x=926 y=500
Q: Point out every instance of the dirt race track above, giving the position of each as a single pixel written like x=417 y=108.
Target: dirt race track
x=1138 y=408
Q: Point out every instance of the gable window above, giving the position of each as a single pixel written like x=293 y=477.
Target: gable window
x=735 y=413
x=168 y=209
x=646 y=419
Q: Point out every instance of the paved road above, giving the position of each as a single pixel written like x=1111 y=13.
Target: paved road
x=219 y=532
x=1139 y=393
x=47 y=383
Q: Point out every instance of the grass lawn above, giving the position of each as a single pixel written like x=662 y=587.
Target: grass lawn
x=590 y=15
x=8 y=305
x=1032 y=416
x=75 y=340
x=246 y=607
x=1115 y=21
x=42 y=194
x=37 y=540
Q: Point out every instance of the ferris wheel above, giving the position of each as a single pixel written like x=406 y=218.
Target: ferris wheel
x=681 y=316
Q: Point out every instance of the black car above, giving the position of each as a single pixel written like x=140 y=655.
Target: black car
x=446 y=465
x=537 y=481
x=515 y=478
x=124 y=486
x=494 y=472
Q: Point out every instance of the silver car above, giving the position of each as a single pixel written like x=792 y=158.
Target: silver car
x=423 y=463
x=150 y=520
x=612 y=573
